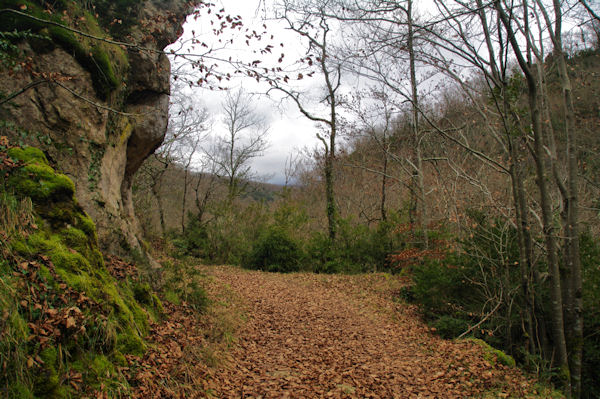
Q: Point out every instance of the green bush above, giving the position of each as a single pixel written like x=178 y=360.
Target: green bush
x=455 y=292
x=449 y=327
x=275 y=251
x=590 y=262
x=440 y=287
x=357 y=248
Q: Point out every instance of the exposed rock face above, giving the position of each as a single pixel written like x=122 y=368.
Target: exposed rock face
x=79 y=130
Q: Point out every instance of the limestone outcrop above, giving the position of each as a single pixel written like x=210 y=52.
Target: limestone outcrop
x=96 y=109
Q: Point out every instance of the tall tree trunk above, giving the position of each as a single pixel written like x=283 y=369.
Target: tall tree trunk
x=384 y=179
x=558 y=331
x=525 y=264
x=329 y=193
x=418 y=175
x=574 y=280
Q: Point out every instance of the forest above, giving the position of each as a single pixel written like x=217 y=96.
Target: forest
x=455 y=182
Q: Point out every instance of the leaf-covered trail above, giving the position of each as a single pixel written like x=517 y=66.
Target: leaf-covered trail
x=311 y=336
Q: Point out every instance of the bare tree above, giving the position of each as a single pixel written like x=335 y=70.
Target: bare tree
x=188 y=126
x=309 y=20
x=245 y=140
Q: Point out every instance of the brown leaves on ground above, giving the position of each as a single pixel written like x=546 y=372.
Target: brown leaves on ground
x=315 y=336
x=185 y=348
x=171 y=367
x=54 y=315
x=120 y=269
x=312 y=336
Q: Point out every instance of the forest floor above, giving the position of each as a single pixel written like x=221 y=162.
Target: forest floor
x=321 y=336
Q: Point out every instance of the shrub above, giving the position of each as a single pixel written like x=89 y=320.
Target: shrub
x=590 y=262
x=440 y=287
x=196 y=296
x=449 y=327
x=275 y=251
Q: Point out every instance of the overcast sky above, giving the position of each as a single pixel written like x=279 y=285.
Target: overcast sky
x=289 y=130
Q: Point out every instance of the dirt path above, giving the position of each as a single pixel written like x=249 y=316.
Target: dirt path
x=312 y=336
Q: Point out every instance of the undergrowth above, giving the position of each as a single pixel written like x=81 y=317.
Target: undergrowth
x=475 y=292
x=72 y=322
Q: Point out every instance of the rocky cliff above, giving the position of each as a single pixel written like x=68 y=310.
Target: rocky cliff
x=96 y=109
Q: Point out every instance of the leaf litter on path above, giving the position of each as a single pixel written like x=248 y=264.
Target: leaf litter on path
x=316 y=336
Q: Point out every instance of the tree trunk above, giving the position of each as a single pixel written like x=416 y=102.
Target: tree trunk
x=525 y=264
x=574 y=280
x=418 y=175
x=329 y=193
x=558 y=331
x=384 y=181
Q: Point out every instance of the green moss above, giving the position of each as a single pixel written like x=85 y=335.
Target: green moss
x=119 y=359
x=86 y=224
x=45 y=274
x=59 y=214
x=143 y=293
x=20 y=391
x=129 y=342
x=493 y=355
x=41 y=183
x=78 y=240
x=102 y=60
x=28 y=155
x=68 y=237
x=158 y=307
x=63 y=257
x=102 y=367
x=99 y=373
x=173 y=297
x=47 y=381
x=74 y=238
x=140 y=319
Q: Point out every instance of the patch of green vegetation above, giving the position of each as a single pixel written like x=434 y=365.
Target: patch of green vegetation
x=37 y=179
x=47 y=382
x=493 y=355
x=173 y=297
x=13 y=335
x=67 y=238
x=275 y=251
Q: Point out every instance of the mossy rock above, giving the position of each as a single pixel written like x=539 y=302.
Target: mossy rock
x=36 y=179
x=494 y=355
